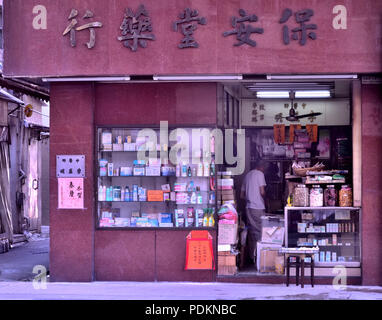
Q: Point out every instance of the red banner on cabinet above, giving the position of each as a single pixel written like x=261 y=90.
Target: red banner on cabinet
x=199 y=251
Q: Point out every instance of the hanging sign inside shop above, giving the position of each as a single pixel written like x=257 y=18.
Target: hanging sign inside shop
x=70 y=193
x=292 y=127
x=199 y=252
x=312 y=130
x=279 y=133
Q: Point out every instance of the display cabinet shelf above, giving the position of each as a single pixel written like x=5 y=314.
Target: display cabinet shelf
x=180 y=213
x=341 y=248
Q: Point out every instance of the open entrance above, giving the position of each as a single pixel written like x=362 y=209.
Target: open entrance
x=299 y=138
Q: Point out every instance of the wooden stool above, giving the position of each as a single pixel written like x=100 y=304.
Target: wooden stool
x=300 y=262
x=292 y=264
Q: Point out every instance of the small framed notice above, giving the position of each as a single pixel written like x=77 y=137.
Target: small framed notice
x=70 y=193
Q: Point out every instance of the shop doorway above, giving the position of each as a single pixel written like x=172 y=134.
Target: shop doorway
x=290 y=133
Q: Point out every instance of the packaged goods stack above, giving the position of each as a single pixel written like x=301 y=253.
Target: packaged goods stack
x=227 y=225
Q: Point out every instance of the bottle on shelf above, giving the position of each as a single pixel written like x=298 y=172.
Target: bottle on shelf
x=194 y=171
x=193 y=198
x=212 y=146
x=122 y=194
x=102 y=193
x=200 y=169
x=127 y=194
x=184 y=170
x=177 y=170
x=206 y=169
x=212 y=169
x=211 y=220
x=189 y=172
x=109 y=194
x=205 y=218
x=199 y=196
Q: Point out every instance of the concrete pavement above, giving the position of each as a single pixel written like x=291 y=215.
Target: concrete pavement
x=180 y=291
x=16 y=283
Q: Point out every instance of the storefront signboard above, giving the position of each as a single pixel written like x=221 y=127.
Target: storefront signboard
x=159 y=37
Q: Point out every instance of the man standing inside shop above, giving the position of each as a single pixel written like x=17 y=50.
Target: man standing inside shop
x=253 y=191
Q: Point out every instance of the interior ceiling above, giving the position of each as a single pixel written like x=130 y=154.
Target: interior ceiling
x=338 y=88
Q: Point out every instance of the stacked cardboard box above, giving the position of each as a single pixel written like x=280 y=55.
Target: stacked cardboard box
x=272 y=238
x=226 y=189
x=226 y=263
x=227 y=226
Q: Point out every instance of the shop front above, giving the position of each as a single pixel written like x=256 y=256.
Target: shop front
x=159 y=112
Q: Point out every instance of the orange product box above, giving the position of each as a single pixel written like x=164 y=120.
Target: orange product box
x=154 y=195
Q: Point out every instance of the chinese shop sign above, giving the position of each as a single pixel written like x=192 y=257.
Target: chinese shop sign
x=188 y=38
x=188 y=26
x=71 y=28
x=136 y=28
x=70 y=166
x=70 y=193
x=199 y=252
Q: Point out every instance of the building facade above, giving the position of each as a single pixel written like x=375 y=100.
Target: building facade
x=106 y=66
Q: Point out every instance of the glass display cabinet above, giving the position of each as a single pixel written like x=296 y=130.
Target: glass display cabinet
x=139 y=186
x=335 y=230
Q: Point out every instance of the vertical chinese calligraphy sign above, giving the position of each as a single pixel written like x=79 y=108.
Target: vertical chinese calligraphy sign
x=199 y=251
x=70 y=193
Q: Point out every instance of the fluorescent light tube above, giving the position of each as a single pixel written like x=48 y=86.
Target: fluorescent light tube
x=311 y=76
x=197 y=77
x=87 y=79
x=313 y=94
x=272 y=94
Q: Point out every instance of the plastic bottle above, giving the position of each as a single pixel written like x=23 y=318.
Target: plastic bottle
x=122 y=194
x=212 y=170
x=200 y=170
x=211 y=220
x=109 y=194
x=194 y=171
x=184 y=170
x=177 y=170
x=189 y=172
x=193 y=198
x=199 y=198
x=205 y=218
x=212 y=146
x=127 y=194
x=100 y=193
x=206 y=169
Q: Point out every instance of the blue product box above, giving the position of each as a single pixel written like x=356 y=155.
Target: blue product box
x=153 y=222
x=139 y=162
x=138 y=171
x=133 y=221
x=166 y=217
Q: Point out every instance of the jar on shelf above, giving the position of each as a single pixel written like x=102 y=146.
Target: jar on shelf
x=330 y=196
x=301 y=196
x=316 y=196
x=346 y=196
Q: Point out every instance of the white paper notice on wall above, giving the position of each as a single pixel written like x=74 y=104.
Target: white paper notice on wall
x=70 y=193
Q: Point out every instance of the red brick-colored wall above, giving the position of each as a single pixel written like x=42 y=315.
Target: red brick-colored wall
x=372 y=184
x=72 y=231
x=78 y=252
x=150 y=103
